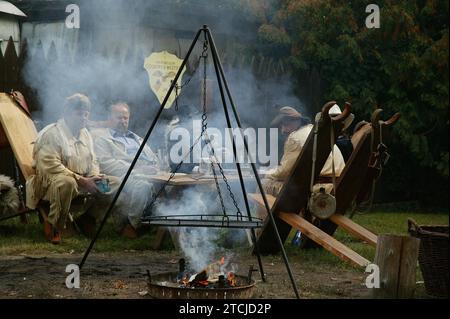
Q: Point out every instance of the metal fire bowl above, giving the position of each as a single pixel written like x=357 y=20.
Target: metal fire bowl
x=218 y=221
x=164 y=286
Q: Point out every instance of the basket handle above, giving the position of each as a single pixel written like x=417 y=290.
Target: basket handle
x=413 y=227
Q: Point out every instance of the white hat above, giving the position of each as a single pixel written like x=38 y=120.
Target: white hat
x=336 y=110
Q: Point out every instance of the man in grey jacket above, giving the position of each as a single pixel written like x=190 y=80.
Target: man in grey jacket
x=116 y=147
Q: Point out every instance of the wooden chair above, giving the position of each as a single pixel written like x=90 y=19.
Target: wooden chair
x=295 y=193
x=348 y=186
x=381 y=132
x=21 y=133
x=356 y=181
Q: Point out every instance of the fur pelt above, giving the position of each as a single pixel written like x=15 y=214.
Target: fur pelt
x=9 y=197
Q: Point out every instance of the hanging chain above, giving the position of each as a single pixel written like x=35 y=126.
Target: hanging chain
x=213 y=154
x=177 y=87
x=233 y=198
x=204 y=126
x=218 y=188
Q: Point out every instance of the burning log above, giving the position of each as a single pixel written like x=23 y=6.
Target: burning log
x=231 y=278
x=212 y=276
x=201 y=276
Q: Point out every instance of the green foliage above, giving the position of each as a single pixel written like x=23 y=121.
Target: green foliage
x=275 y=40
x=400 y=67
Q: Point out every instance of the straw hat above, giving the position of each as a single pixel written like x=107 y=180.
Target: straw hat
x=336 y=110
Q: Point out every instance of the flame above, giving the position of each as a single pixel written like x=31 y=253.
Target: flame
x=231 y=278
x=184 y=280
x=212 y=272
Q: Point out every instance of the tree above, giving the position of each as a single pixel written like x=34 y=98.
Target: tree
x=400 y=67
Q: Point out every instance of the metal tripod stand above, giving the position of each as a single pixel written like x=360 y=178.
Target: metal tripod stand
x=224 y=93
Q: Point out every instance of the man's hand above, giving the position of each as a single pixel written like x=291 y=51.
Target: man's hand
x=88 y=183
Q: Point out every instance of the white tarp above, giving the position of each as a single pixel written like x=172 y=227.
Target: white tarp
x=48 y=32
x=9 y=26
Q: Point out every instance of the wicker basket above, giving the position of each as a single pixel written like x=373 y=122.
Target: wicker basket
x=433 y=256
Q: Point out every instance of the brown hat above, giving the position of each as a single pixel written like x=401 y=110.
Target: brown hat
x=286 y=112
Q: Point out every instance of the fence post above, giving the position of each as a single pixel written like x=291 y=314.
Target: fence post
x=396 y=256
x=11 y=64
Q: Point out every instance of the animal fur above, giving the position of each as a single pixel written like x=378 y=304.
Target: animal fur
x=9 y=197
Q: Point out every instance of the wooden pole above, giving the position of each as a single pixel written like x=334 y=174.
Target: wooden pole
x=396 y=257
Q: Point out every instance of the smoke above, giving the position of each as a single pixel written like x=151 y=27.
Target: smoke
x=198 y=244
x=201 y=245
x=104 y=59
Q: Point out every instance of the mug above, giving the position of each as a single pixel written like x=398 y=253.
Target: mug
x=103 y=185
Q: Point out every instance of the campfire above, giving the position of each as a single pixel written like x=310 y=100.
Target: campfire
x=213 y=276
x=212 y=282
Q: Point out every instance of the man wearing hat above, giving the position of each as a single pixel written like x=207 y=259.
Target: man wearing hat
x=297 y=128
x=66 y=166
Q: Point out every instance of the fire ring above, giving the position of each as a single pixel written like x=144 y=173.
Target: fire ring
x=165 y=286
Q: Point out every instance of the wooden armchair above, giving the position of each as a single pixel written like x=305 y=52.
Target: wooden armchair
x=348 y=186
x=295 y=193
x=21 y=133
x=18 y=131
x=357 y=179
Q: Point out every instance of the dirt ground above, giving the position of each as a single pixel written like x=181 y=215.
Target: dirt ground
x=123 y=275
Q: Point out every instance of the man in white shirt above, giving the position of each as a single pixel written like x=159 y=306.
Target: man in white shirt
x=116 y=147
x=66 y=165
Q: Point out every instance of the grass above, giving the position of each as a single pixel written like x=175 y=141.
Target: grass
x=383 y=222
x=17 y=238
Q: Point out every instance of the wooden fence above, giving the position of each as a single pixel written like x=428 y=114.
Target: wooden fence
x=12 y=64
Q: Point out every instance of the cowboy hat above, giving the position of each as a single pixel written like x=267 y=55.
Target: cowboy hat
x=336 y=110
x=286 y=112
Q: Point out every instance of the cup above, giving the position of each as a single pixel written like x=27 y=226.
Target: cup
x=103 y=185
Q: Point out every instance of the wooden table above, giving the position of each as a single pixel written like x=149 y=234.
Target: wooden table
x=182 y=179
